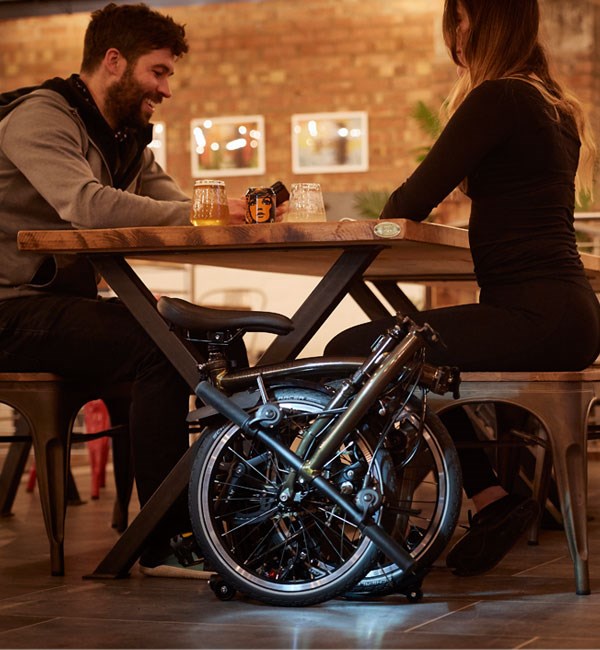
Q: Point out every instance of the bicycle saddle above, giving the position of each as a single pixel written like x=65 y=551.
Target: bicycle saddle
x=195 y=317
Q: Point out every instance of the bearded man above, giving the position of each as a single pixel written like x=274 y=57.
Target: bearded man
x=73 y=154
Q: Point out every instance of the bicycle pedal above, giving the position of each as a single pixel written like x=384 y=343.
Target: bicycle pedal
x=186 y=549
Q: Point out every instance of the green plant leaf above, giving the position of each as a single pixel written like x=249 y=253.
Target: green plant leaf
x=370 y=204
x=427 y=119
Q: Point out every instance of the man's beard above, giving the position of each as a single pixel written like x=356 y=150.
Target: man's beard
x=124 y=102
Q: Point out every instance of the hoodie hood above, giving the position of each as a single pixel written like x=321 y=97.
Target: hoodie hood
x=122 y=150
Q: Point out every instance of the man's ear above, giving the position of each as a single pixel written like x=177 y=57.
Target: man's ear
x=114 y=62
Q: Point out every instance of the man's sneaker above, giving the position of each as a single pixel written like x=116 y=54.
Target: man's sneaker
x=184 y=561
x=493 y=532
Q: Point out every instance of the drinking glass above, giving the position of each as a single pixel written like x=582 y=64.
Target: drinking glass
x=306 y=203
x=209 y=203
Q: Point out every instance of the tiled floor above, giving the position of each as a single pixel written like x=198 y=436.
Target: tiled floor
x=526 y=602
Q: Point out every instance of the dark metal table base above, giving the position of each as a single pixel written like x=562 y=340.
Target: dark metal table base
x=332 y=288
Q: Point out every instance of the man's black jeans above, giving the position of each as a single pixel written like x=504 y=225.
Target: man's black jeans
x=99 y=340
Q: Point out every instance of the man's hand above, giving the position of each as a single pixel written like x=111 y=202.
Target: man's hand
x=280 y=211
x=237 y=211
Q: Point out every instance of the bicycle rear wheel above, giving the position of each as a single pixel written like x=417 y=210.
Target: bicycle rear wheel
x=295 y=553
x=427 y=501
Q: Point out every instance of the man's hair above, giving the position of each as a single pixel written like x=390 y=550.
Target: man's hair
x=134 y=30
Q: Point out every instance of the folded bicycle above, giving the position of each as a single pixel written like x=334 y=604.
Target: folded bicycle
x=319 y=477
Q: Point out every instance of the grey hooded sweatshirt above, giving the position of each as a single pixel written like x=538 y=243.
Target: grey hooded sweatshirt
x=61 y=166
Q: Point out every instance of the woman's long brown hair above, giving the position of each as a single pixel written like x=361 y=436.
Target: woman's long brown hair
x=503 y=42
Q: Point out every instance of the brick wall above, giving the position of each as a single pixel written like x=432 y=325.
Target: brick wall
x=279 y=57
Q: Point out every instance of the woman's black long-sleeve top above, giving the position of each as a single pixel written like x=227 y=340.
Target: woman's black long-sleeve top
x=519 y=160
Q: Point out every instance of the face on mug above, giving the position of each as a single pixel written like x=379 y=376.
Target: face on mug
x=261 y=207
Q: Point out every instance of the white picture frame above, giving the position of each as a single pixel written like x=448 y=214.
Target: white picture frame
x=227 y=146
x=329 y=143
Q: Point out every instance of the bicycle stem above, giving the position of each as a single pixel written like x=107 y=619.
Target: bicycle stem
x=350 y=386
x=385 y=373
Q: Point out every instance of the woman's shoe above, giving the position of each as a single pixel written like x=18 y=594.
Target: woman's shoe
x=493 y=531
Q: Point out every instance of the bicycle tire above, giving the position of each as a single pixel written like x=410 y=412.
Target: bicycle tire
x=432 y=482
x=296 y=555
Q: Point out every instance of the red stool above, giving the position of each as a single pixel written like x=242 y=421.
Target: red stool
x=97 y=418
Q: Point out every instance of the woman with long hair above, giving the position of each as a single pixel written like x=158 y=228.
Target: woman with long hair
x=518 y=144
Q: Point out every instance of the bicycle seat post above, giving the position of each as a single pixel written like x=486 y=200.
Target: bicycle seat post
x=217 y=363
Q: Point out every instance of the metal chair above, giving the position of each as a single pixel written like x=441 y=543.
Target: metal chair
x=48 y=405
x=561 y=402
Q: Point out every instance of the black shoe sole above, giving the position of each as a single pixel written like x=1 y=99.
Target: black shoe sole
x=483 y=547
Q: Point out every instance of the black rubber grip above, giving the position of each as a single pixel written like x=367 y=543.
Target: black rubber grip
x=389 y=547
x=225 y=406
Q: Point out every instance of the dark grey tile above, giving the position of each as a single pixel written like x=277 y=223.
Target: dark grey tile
x=523 y=618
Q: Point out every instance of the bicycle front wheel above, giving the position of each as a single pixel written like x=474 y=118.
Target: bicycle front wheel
x=296 y=552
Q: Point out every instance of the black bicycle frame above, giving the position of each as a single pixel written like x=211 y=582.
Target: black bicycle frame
x=391 y=353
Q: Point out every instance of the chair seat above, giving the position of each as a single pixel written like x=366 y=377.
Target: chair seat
x=589 y=374
x=31 y=376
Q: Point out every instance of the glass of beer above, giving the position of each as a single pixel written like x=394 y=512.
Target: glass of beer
x=209 y=204
x=306 y=203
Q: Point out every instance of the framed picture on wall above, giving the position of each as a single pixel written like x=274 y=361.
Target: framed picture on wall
x=159 y=143
x=228 y=146
x=330 y=142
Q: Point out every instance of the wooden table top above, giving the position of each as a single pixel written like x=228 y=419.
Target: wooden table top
x=410 y=251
